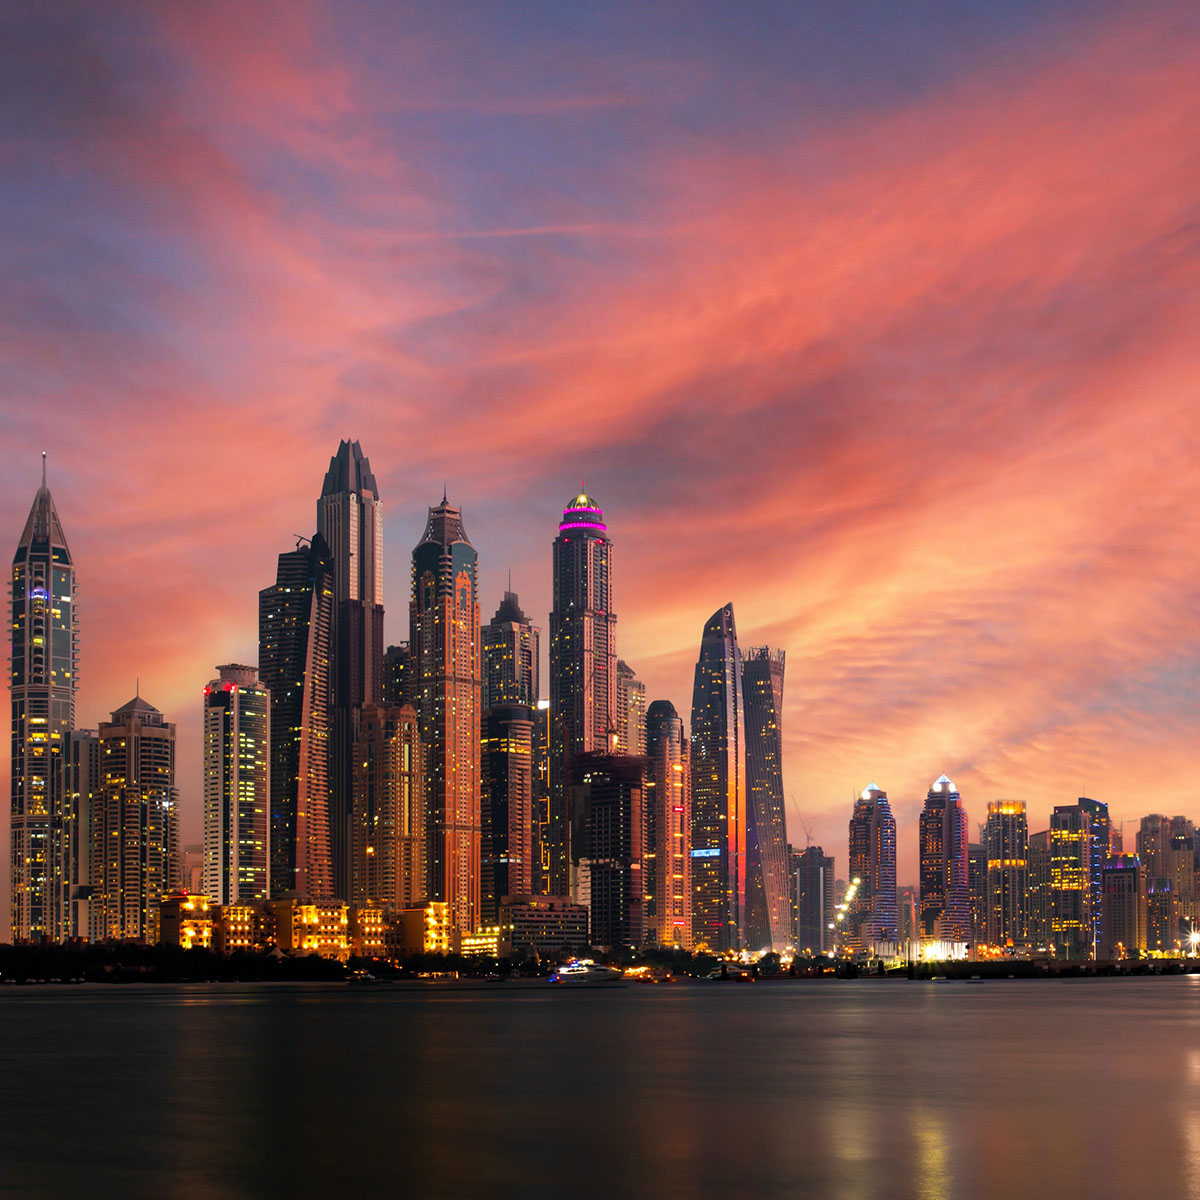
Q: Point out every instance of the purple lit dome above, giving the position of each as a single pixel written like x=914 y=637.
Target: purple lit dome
x=583 y=513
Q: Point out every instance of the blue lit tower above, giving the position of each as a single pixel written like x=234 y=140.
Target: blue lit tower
x=350 y=519
x=44 y=655
x=448 y=686
x=945 y=887
x=718 y=788
x=583 y=665
x=871 y=915
x=768 y=895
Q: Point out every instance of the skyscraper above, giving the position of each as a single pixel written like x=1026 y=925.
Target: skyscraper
x=812 y=889
x=977 y=890
x=447 y=680
x=718 y=788
x=1079 y=839
x=871 y=915
x=668 y=830
x=135 y=828
x=81 y=790
x=43 y=678
x=397 y=676
x=768 y=906
x=237 y=786
x=350 y=519
x=631 y=710
x=607 y=805
x=511 y=656
x=388 y=810
x=507 y=806
x=295 y=621
x=1006 y=845
x=583 y=663
x=1040 y=891
x=945 y=889
x=1123 y=903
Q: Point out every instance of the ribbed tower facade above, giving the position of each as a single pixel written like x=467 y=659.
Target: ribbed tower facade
x=667 y=830
x=295 y=625
x=135 y=824
x=945 y=887
x=583 y=664
x=237 y=786
x=768 y=896
x=44 y=655
x=350 y=519
x=718 y=788
x=447 y=676
x=871 y=916
x=1006 y=844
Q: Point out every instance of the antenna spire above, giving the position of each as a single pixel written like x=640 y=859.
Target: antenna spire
x=443 y=491
x=510 y=579
x=43 y=470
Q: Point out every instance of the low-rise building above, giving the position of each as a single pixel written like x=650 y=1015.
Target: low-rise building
x=186 y=920
x=542 y=925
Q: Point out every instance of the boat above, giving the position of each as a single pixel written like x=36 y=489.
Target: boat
x=584 y=972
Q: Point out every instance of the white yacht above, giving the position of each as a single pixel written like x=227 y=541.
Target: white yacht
x=584 y=972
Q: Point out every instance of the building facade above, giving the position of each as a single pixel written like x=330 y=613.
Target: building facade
x=583 y=664
x=1123 y=903
x=1079 y=841
x=718 y=788
x=1006 y=849
x=42 y=682
x=812 y=889
x=237 y=786
x=350 y=520
x=81 y=789
x=135 y=825
x=945 y=886
x=447 y=676
x=295 y=624
x=511 y=656
x=507 y=806
x=631 y=711
x=668 y=830
x=871 y=916
x=387 y=817
x=768 y=892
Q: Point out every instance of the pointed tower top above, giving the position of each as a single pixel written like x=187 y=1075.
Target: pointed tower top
x=350 y=471
x=444 y=500
x=43 y=470
x=42 y=526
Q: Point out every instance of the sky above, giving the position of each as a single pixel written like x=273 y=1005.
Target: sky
x=878 y=321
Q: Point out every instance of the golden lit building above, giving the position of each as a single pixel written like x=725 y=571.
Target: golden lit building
x=423 y=929
x=484 y=941
x=311 y=927
x=368 y=931
x=187 y=921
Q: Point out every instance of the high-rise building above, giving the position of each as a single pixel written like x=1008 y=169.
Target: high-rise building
x=1079 y=849
x=1181 y=860
x=511 y=656
x=507 y=807
x=812 y=888
x=295 y=622
x=871 y=915
x=448 y=683
x=768 y=904
x=237 y=786
x=977 y=890
x=388 y=810
x=1123 y=900
x=42 y=680
x=80 y=791
x=668 y=830
x=607 y=805
x=1154 y=845
x=1162 y=917
x=1040 y=892
x=548 y=834
x=1006 y=846
x=718 y=788
x=945 y=887
x=350 y=519
x=583 y=664
x=631 y=711
x=134 y=827
x=397 y=676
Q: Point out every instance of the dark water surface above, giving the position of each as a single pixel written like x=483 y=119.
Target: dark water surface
x=846 y=1089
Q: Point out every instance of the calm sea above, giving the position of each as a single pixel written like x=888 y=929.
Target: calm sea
x=834 y=1089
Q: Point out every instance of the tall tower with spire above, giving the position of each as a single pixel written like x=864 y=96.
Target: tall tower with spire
x=583 y=663
x=446 y=666
x=350 y=519
x=44 y=656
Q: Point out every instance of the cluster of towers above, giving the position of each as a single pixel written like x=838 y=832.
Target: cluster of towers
x=1068 y=891
x=427 y=771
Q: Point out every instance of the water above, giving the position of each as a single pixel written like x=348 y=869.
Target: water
x=832 y=1089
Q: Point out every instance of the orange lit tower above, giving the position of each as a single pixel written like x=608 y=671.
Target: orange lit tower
x=448 y=684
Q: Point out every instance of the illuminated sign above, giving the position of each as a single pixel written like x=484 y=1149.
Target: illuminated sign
x=706 y=853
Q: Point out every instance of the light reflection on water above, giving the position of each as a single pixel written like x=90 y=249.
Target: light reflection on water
x=848 y=1090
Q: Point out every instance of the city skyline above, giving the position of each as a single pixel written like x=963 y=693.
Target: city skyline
x=965 y=440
